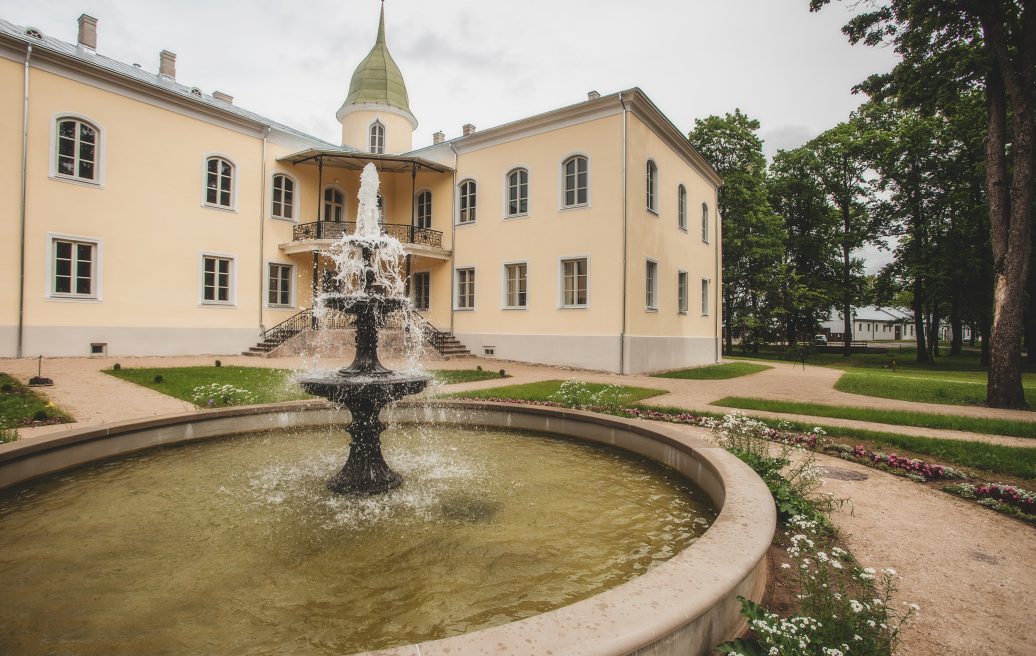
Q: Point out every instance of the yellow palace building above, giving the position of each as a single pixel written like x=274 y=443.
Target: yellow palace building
x=142 y=216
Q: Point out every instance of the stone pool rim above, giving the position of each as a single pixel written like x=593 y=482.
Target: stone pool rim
x=685 y=605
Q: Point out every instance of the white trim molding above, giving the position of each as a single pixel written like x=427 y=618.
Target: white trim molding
x=295 y=196
x=234 y=182
x=100 y=151
x=231 y=284
x=561 y=282
x=589 y=181
x=97 y=279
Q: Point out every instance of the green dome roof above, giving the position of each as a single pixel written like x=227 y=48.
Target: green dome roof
x=377 y=79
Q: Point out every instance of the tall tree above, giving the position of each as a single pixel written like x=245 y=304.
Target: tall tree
x=811 y=279
x=949 y=46
x=752 y=235
x=842 y=166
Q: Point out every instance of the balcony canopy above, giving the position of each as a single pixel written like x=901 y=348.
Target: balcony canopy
x=356 y=161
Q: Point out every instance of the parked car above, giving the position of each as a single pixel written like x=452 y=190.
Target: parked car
x=820 y=340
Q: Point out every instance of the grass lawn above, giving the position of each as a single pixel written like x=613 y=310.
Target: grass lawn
x=545 y=390
x=453 y=376
x=263 y=385
x=900 y=417
x=716 y=371
x=1018 y=462
x=21 y=405
x=955 y=389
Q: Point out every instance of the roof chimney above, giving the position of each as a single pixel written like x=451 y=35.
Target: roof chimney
x=438 y=137
x=225 y=97
x=468 y=129
x=593 y=95
x=88 y=32
x=167 y=64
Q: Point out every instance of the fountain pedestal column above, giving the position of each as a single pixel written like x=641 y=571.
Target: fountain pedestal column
x=365 y=472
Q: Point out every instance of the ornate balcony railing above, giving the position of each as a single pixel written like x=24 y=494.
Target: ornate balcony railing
x=405 y=233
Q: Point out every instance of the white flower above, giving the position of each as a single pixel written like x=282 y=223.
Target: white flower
x=785 y=566
x=857 y=638
x=855 y=605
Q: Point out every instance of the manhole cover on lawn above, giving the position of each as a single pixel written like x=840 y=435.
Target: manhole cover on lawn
x=842 y=474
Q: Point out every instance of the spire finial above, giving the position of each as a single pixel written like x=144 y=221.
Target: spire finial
x=381 y=24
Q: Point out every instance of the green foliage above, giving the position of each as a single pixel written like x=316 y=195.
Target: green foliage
x=752 y=235
x=884 y=416
x=547 y=389
x=21 y=405
x=8 y=433
x=454 y=376
x=716 y=371
x=265 y=385
x=907 y=387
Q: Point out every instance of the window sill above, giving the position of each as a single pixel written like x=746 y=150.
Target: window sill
x=583 y=206
x=682 y=229
x=682 y=312
x=514 y=307
x=82 y=182
x=280 y=307
x=511 y=217
x=217 y=304
x=574 y=307
x=652 y=310
x=652 y=211
x=221 y=208
x=465 y=223
x=272 y=218
x=74 y=299
x=466 y=309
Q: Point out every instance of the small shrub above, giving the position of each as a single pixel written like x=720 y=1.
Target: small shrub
x=40 y=415
x=215 y=395
x=478 y=368
x=7 y=388
x=116 y=367
x=7 y=432
x=158 y=378
x=218 y=363
x=503 y=374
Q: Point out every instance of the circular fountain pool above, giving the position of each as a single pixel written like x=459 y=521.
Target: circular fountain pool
x=234 y=545
x=238 y=545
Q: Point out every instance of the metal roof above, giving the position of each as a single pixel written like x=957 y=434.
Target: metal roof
x=377 y=79
x=351 y=159
x=152 y=80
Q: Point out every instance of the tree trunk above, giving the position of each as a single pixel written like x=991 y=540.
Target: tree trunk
x=933 y=334
x=1010 y=195
x=956 y=325
x=728 y=315
x=983 y=358
x=918 y=306
x=972 y=339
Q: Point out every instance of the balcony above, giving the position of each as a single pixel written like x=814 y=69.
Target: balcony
x=319 y=235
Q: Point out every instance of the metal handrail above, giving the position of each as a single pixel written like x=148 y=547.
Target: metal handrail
x=432 y=335
x=305 y=320
x=405 y=233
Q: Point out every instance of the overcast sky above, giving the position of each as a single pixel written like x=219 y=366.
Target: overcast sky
x=488 y=62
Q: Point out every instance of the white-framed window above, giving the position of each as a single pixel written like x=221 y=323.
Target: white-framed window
x=421 y=283
x=74 y=270
x=575 y=282
x=334 y=204
x=705 y=222
x=518 y=192
x=219 y=182
x=575 y=173
x=217 y=280
x=468 y=201
x=651 y=186
x=280 y=285
x=681 y=292
x=516 y=282
x=282 y=203
x=424 y=209
x=681 y=207
x=377 y=138
x=466 y=288
x=77 y=150
x=651 y=285
x=705 y=297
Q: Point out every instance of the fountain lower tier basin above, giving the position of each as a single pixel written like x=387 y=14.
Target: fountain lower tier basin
x=208 y=548
x=376 y=390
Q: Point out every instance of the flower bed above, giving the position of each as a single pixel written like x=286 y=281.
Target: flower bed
x=999 y=494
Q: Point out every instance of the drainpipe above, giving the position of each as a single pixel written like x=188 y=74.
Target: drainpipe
x=21 y=237
x=717 y=292
x=262 y=228
x=625 y=230
x=453 y=232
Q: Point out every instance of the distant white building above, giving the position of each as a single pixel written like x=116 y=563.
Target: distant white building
x=873 y=323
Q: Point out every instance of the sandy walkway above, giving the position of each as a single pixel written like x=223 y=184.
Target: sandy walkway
x=969 y=569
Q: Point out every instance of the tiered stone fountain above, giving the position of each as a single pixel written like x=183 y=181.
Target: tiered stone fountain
x=368 y=268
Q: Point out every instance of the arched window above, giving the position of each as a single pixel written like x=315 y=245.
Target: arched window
x=424 y=210
x=705 y=222
x=517 y=192
x=219 y=182
x=652 y=186
x=334 y=204
x=576 y=181
x=467 y=202
x=78 y=149
x=681 y=207
x=377 y=140
x=283 y=205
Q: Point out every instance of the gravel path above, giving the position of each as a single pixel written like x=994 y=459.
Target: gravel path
x=970 y=569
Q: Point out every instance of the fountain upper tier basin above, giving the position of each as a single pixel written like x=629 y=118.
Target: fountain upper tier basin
x=344 y=389
x=684 y=605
